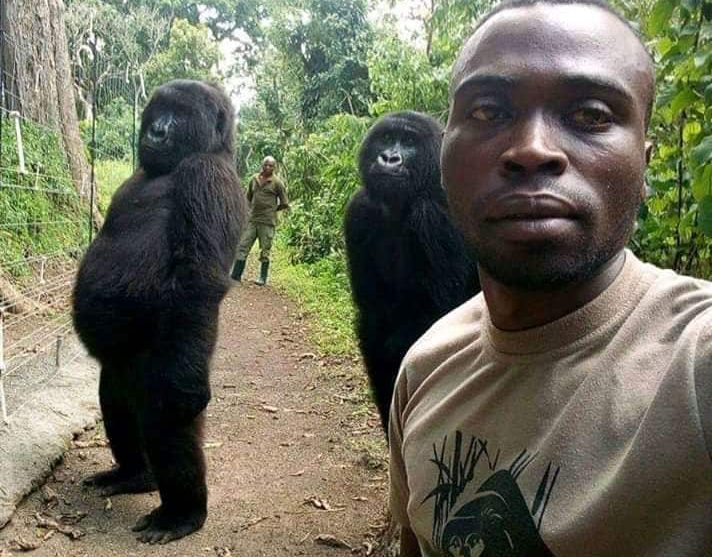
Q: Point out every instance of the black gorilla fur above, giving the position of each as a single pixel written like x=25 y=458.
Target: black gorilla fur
x=408 y=264
x=147 y=296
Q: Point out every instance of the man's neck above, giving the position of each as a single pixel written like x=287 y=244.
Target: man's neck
x=514 y=309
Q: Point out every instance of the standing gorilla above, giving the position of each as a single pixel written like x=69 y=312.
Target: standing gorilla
x=147 y=297
x=408 y=264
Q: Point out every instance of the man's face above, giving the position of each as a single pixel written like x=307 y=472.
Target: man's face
x=544 y=152
x=267 y=168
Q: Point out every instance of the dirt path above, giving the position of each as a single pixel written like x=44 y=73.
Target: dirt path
x=293 y=452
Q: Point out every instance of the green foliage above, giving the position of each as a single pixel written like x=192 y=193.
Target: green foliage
x=110 y=174
x=417 y=85
x=192 y=54
x=114 y=131
x=676 y=225
x=449 y=25
x=40 y=211
x=322 y=178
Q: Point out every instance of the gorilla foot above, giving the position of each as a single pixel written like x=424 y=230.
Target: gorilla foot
x=161 y=527
x=116 y=481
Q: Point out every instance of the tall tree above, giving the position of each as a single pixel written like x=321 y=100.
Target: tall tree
x=37 y=77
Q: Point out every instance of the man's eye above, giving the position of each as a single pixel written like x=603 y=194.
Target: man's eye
x=591 y=118
x=488 y=113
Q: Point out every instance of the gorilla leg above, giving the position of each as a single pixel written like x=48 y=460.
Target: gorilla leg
x=177 y=390
x=176 y=455
x=131 y=475
x=382 y=378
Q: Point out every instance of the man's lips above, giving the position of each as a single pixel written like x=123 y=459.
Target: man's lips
x=534 y=206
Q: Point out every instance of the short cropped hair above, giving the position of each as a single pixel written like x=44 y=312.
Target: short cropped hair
x=602 y=4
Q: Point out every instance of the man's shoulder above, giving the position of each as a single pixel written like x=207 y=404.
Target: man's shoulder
x=678 y=302
x=447 y=336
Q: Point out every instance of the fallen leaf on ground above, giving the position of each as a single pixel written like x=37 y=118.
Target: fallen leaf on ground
x=331 y=541
x=268 y=408
x=318 y=503
x=21 y=544
x=299 y=473
x=107 y=505
x=91 y=443
x=223 y=552
x=51 y=524
x=252 y=522
x=49 y=496
x=212 y=445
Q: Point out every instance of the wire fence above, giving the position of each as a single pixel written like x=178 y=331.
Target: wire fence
x=46 y=217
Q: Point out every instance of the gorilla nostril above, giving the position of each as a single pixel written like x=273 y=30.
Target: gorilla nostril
x=553 y=166
x=512 y=166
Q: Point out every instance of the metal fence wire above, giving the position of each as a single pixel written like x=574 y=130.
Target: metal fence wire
x=46 y=221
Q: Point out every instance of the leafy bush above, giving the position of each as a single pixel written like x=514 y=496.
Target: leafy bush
x=114 y=131
x=322 y=178
x=676 y=224
x=417 y=85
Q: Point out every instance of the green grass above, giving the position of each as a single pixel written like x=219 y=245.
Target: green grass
x=41 y=213
x=110 y=174
x=322 y=291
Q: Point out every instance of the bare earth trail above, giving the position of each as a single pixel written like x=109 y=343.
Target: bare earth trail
x=296 y=463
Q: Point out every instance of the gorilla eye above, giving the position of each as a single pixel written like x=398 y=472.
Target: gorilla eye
x=489 y=113
x=593 y=117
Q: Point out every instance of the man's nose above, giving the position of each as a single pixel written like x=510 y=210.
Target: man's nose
x=534 y=148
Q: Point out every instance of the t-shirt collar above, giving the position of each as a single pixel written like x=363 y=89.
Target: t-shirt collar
x=620 y=296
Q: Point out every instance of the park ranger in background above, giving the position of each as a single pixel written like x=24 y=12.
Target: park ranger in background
x=267 y=195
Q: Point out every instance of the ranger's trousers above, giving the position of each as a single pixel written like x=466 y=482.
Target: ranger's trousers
x=255 y=231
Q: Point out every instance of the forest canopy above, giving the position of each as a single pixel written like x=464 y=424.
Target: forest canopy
x=310 y=76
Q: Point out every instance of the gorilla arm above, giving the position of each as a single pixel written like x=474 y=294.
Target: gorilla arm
x=447 y=273
x=208 y=215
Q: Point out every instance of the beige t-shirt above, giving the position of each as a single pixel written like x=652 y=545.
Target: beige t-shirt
x=587 y=437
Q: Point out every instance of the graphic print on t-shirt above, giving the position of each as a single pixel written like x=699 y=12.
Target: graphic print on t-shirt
x=494 y=520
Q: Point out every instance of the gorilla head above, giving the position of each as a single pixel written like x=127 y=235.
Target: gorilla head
x=401 y=150
x=184 y=117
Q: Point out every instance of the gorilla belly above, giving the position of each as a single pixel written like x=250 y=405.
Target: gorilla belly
x=123 y=282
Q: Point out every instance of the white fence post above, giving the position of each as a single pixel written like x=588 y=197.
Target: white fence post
x=18 y=135
x=3 y=404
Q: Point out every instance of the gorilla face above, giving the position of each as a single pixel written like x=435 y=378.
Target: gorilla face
x=401 y=150
x=183 y=117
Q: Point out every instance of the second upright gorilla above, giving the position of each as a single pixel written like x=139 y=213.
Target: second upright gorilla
x=408 y=264
x=147 y=297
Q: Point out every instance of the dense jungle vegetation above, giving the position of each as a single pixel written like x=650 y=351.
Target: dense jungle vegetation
x=310 y=76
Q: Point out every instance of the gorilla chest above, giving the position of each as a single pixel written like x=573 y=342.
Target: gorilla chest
x=134 y=244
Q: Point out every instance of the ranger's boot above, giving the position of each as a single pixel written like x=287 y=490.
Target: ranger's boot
x=237 y=269
x=264 y=268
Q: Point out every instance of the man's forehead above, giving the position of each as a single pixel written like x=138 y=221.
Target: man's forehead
x=573 y=39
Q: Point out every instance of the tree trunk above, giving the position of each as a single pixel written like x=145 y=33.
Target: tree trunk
x=38 y=84
x=38 y=78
